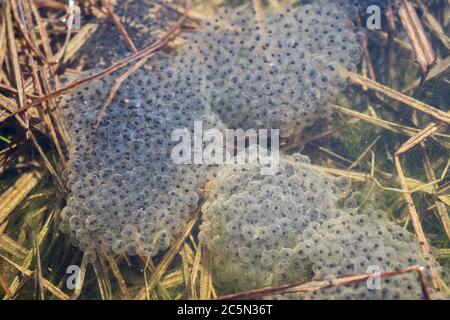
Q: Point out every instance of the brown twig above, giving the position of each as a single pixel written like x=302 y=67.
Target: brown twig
x=102 y=280
x=419 y=137
x=45 y=112
x=412 y=209
x=369 y=147
x=116 y=272
x=4 y=285
x=26 y=37
x=119 y=25
x=117 y=83
x=171 y=34
x=398 y=96
x=164 y=264
x=38 y=273
x=17 y=75
x=414 y=216
x=51 y=4
x=391 y=31
x=440 y=207
x=321 y=284
x=422 y=47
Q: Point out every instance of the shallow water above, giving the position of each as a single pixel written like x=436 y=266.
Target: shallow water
x=152 y=179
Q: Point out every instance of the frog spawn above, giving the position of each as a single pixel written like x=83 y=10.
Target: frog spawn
x=281 y=72
x=289 y=228
x=127 y=195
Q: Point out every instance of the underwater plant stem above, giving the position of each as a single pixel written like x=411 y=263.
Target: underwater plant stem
x=421 y=45
x=168 y=258
x=440 y=206
x=47 y=284
x=5 y=287
x=419 y=137
x=398 y=96
x=413 y=214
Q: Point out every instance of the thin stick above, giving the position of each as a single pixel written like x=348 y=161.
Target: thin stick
x=390 y=46
x=28 y=41
x=117 y=83
x=414 y=216
x=422 y=47
x=412 y=209
x=320 y=284
x=440 y=207
x=168 y=258
x=173 y=33
x=419 y=137
x=15 y=63
x=38 y=272
x=355 y=163
x=45 y=112
x=398 y=96
x=81 y=277
x=51 y=4
x=5 y=287
x=116 y=272
x=47 y=284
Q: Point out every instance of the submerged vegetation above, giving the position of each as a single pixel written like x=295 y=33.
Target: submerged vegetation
x=387 y=133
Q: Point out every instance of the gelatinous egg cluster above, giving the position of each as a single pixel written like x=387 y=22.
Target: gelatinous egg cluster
x=366 y=242
x=251 y=222
x=268 y=231
x=278 y=72
x=126 y=192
